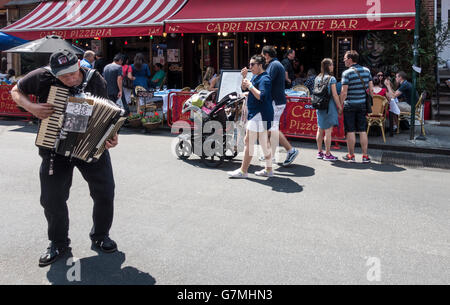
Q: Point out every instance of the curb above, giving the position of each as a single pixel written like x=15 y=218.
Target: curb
x=386 y=147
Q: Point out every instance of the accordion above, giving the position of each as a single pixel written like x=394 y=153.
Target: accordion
x=79 y=127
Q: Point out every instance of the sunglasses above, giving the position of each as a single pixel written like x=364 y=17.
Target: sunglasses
x=252 y=64
x=380 y=75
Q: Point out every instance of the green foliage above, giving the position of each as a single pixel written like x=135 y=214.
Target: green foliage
x=398 y=51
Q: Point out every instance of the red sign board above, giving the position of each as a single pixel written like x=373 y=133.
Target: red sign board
x=299 y=120
x=176 y=102
x=91 y=33
x=7 y=106
x=357 y=24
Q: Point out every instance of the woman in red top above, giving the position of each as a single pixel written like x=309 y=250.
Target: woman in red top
x=377 y=89
x=127 y=89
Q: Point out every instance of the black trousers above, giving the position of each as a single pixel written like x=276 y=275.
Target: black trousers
x=55 y=191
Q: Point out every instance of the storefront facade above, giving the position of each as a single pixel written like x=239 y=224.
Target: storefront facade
x=188 y=36
x=105 y=26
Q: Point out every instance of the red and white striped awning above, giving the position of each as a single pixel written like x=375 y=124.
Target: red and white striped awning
x=95 y=18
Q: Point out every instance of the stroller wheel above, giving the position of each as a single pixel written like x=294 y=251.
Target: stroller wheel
x=230 y=154
x=213 y=161
x=183 y=150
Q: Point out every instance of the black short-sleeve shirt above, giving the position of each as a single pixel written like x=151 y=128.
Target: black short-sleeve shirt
x=287 y=64
x=39 y=81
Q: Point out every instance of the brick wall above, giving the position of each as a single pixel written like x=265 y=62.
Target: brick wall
x=429 y=8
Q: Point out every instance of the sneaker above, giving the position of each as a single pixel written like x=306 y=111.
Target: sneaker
x=237 y=174
x=320 y=155
x=290 y=157
x=106 y=244
x=366 y=159
x=330 y=157
x=349 y=158
x=52 y=254
x=264 y=173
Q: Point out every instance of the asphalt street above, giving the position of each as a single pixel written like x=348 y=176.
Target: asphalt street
x=178 y=222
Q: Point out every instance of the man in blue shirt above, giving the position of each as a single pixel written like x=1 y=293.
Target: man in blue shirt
x=403 y=92
x=88 y=59
x=277 y=73
x=355 y=81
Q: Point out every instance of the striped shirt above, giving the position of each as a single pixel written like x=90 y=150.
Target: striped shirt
x=356 y=92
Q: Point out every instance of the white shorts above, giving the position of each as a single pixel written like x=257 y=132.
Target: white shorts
x=277 y=113
x=256 y=124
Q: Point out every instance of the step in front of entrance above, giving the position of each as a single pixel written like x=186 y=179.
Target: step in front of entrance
x=416 y=160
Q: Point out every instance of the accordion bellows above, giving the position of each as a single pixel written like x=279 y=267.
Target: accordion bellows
x=55 y=132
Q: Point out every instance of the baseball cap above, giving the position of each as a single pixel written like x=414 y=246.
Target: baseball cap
x=63 y=62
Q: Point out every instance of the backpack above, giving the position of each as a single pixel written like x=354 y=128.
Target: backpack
x=320 y=98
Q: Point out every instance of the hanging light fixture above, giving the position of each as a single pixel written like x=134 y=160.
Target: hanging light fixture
x=265 y=41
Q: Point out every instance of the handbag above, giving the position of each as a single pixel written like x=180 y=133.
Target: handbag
x=369 y=100
x=127 y=83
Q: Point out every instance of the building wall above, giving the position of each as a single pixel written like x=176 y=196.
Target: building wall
x=429 y=8
x=444 y=14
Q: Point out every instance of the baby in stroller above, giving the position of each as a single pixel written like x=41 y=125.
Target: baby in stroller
x=202 y=107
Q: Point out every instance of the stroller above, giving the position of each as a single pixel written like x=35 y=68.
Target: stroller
x=220 y=143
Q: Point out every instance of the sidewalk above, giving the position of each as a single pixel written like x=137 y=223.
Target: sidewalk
x=437 y=141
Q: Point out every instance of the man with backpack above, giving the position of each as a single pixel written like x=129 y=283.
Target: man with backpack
x=355 y=82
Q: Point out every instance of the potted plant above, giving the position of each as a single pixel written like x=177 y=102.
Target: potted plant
x=135 y=119
x=152 y=121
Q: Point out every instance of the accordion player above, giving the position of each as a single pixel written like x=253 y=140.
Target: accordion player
x=79 y=126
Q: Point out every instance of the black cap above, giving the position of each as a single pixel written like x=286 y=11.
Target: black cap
x=63 y=62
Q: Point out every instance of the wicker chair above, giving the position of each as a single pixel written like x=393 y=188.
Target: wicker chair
x=163 y=83
x=186 y=89
x=301 y=88
x=418 y=116
x=378 y=115
x=200 y=88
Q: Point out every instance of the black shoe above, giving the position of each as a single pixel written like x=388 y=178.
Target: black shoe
x=106 y=245
x=52 y=254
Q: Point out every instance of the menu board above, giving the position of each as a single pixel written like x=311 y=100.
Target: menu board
x=344 y=44
x=226 y=50
x=173 y=55
x=231 y=81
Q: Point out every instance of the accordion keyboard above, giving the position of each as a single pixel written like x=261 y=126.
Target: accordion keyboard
x=50 y=127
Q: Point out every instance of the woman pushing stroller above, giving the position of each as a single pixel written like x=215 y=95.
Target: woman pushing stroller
x=260 y=117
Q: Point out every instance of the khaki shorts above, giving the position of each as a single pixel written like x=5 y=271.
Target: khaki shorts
x=404 y=107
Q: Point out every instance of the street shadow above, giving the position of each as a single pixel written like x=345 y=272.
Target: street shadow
x=295 y=170
x=279 y=184
x=102 y=269
x=28 y=127
x=388 y=168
